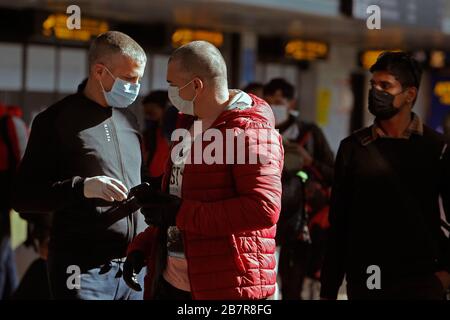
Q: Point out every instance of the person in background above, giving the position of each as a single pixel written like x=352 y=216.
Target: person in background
x=156 y=144
x=13 y=139
x=385 y=236
x=303 y=219
x=34 y=283
x=15 y=111
x=171 y=117
x=255 y=88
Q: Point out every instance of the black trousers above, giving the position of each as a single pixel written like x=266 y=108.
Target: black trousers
x=165 y=291
x=293 y=267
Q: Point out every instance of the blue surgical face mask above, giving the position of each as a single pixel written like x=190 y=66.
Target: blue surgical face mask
x=122 y=93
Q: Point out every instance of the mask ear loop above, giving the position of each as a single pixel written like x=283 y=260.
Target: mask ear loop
x=195 y=97
x=110 y=73
x=186 y=86
x=101 y=85
x=112 y=76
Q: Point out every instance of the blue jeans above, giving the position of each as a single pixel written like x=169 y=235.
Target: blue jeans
x=8 y=274
x=103 y=282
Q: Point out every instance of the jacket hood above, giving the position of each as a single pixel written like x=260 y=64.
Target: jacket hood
x=259 y=112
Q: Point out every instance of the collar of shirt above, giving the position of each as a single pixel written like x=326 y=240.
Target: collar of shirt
x=376 y=132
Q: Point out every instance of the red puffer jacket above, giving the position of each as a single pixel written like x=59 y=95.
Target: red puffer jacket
x=228 y=216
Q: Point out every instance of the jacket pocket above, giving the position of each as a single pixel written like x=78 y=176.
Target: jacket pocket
x=239 y=263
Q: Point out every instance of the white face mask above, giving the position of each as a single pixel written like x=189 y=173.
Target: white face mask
x=184 y=106
x=281 y=113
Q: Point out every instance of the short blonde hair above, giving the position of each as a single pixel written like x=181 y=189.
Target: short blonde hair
x=113 y=42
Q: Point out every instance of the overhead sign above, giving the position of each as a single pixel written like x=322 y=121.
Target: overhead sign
x=184 y=36
x=442 y=91
x=440 y=100
x=418 y=13
x=369 y=57
x=56 y=25
x=306 y=50
x=317 y=7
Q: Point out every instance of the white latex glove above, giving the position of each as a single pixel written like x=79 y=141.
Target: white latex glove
x=105 y=188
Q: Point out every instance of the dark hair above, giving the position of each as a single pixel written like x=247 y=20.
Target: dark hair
x=158 y=97
x=253 y=86
x=276 y=84
x=401 y=65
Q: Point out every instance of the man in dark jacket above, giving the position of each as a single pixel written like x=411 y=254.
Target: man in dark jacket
x=385 y=234
x=83 y=154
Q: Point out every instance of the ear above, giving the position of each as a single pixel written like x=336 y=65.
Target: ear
x=97 y=71
x=198 y=84
x=411 y=94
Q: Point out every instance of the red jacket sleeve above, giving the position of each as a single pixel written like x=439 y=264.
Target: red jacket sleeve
x=144 y=241
x=258 y=201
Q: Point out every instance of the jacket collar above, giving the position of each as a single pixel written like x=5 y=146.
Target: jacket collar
x=376 y=132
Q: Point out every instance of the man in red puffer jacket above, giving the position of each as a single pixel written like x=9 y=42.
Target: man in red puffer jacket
x=212 y=226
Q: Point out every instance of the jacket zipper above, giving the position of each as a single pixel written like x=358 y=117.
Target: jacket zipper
x=119 y=157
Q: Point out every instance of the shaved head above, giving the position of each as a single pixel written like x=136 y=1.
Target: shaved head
x=201 y=59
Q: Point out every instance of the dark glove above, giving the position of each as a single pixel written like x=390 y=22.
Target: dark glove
x=136 y=197
x=133 y=265
x=161 y=209
x=141 y=193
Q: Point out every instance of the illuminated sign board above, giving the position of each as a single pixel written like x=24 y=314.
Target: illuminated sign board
x=184 y=36
x=442 y=91
x=437 y=59
x=306 y=50
x=56 y=25
x=417 y=13
x=369 y=57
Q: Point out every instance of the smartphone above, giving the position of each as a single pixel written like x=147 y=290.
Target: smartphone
x=135 y=201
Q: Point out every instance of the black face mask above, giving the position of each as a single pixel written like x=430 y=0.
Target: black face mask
x=381 y=104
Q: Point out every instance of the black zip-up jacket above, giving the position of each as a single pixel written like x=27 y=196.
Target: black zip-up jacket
x=71 y=140
x=385 y=210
